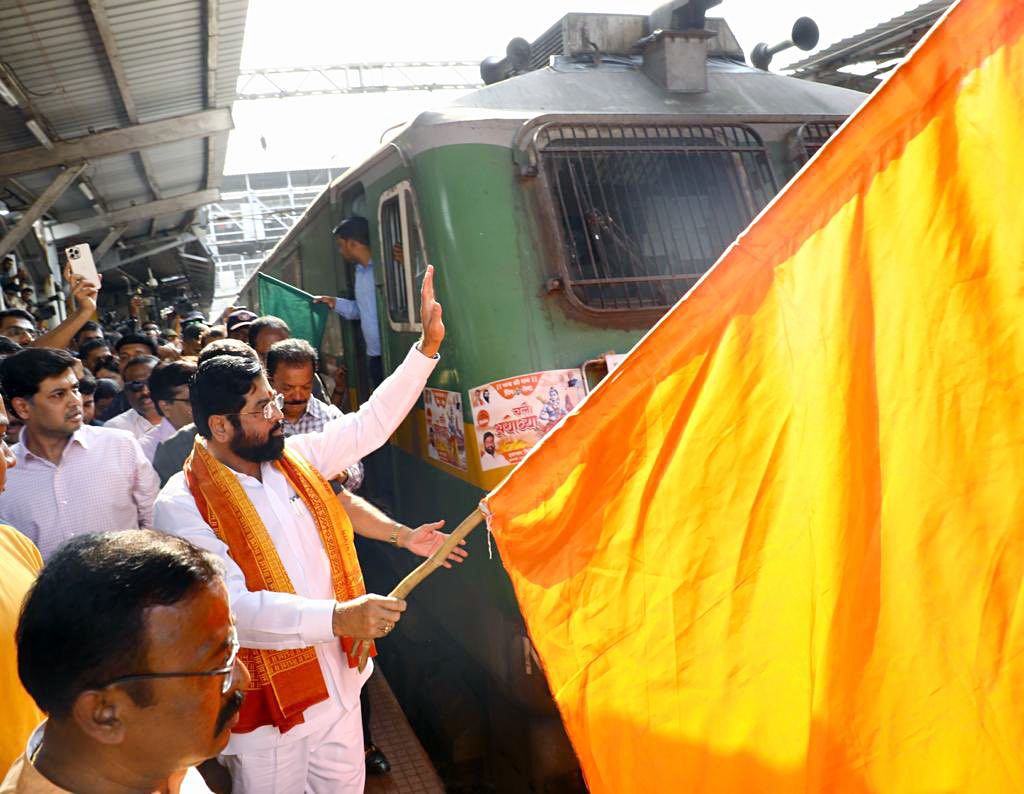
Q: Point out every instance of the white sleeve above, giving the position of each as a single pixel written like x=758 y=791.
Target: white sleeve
x=146 y=485
x=266 y=620
x=351 y=437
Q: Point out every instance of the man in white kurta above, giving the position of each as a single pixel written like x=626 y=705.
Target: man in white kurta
x=324 y=752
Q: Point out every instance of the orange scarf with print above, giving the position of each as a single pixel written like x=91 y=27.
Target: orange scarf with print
x=284 y=683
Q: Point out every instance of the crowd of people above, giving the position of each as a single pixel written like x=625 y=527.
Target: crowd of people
x=179 y=589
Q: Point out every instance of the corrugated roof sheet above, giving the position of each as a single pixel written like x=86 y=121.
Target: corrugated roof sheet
x=901 y=32
x=56 y=51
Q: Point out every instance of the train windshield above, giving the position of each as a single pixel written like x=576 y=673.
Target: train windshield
x=643 y=211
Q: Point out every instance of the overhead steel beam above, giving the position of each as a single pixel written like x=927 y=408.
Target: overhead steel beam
x=108 y=242
x=358 y=78
x=122 y=141
x=39 y=206
x=179 y=240
x=99 y=15
x=142 y=212
x=212 y=51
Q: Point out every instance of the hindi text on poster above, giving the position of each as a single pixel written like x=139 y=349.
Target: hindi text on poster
x=513 y=414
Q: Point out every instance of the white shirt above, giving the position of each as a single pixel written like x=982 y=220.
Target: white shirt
x=156 y=434
x=102 y=482
x=279 y=621
x=132 y=421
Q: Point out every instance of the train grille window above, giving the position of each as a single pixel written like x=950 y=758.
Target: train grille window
x=644 y=210
x=812 y=136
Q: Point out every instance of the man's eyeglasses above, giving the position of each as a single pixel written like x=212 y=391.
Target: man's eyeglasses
x=273 y=407
x=135 y=385
x=226 y=670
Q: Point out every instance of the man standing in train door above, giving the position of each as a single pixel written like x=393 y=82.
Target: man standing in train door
x=352 y=237
x=263 y=505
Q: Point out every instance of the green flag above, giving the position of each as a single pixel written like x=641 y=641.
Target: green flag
x=306 y=319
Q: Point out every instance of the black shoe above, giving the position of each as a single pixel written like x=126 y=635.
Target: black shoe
x=376 y=762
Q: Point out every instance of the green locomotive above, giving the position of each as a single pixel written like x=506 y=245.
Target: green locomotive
x=566 y=206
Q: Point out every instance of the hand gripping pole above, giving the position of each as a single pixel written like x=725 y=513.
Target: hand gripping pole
x=421 y=572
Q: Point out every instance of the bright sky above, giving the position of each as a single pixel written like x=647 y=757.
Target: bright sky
x=338 y=131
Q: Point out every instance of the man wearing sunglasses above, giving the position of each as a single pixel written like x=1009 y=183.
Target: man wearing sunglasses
x=142 y=417
x=292 y=573
x=146 y=687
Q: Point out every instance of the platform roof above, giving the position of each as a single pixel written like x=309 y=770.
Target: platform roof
x=882 y=45
x=141 y=90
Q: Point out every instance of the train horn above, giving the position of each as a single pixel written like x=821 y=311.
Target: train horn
x=517 y=58
x=804 y=37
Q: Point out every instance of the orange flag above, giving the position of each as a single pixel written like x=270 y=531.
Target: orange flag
x=781 y=548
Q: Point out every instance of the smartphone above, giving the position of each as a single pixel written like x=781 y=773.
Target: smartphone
x=80 y=258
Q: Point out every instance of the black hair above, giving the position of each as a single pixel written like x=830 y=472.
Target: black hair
x=92 y=344
x=193 y=331
x=106 y=388
x=83 y=621
x=353 y=228
x=106 y=362
x=89 y=326
x=220 y=387
x=488 y=433
x=8 y=347
x=136 y=339
x=16 y=313
x=22 y=373
x=266 y=322
x=166 y=377
x=290 y=351
x=136 y=361
x=87 y=384
x=226 y=347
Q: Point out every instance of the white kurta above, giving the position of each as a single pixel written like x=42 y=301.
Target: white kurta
x=279 y=621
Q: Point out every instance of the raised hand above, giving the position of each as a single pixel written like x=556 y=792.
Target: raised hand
x=425 y=540
x=430 y=316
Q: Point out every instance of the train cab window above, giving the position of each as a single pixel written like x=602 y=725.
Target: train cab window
x=642 y=211
x=402 y=252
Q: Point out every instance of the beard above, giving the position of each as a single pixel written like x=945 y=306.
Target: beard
x=230 y=708
x=269 y=449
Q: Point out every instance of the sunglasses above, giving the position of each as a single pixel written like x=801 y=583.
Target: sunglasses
x=135 y=385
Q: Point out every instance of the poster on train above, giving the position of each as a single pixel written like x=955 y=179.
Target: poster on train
x=446 y=430
x=513 y=414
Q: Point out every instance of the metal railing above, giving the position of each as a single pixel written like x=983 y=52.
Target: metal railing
x=643 y=210
x=812 y=136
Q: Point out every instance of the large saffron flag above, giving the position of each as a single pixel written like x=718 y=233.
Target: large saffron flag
x=781 y=548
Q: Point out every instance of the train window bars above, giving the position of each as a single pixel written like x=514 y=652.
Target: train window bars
x=643 y=210
x=812 y=136
x=402 y=255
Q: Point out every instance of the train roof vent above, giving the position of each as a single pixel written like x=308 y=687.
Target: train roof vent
x=617 y=34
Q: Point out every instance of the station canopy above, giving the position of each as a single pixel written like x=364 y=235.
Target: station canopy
x=860 y=62
x=114 y=121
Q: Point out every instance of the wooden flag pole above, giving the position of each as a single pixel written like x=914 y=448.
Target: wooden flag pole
x=422 y=571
